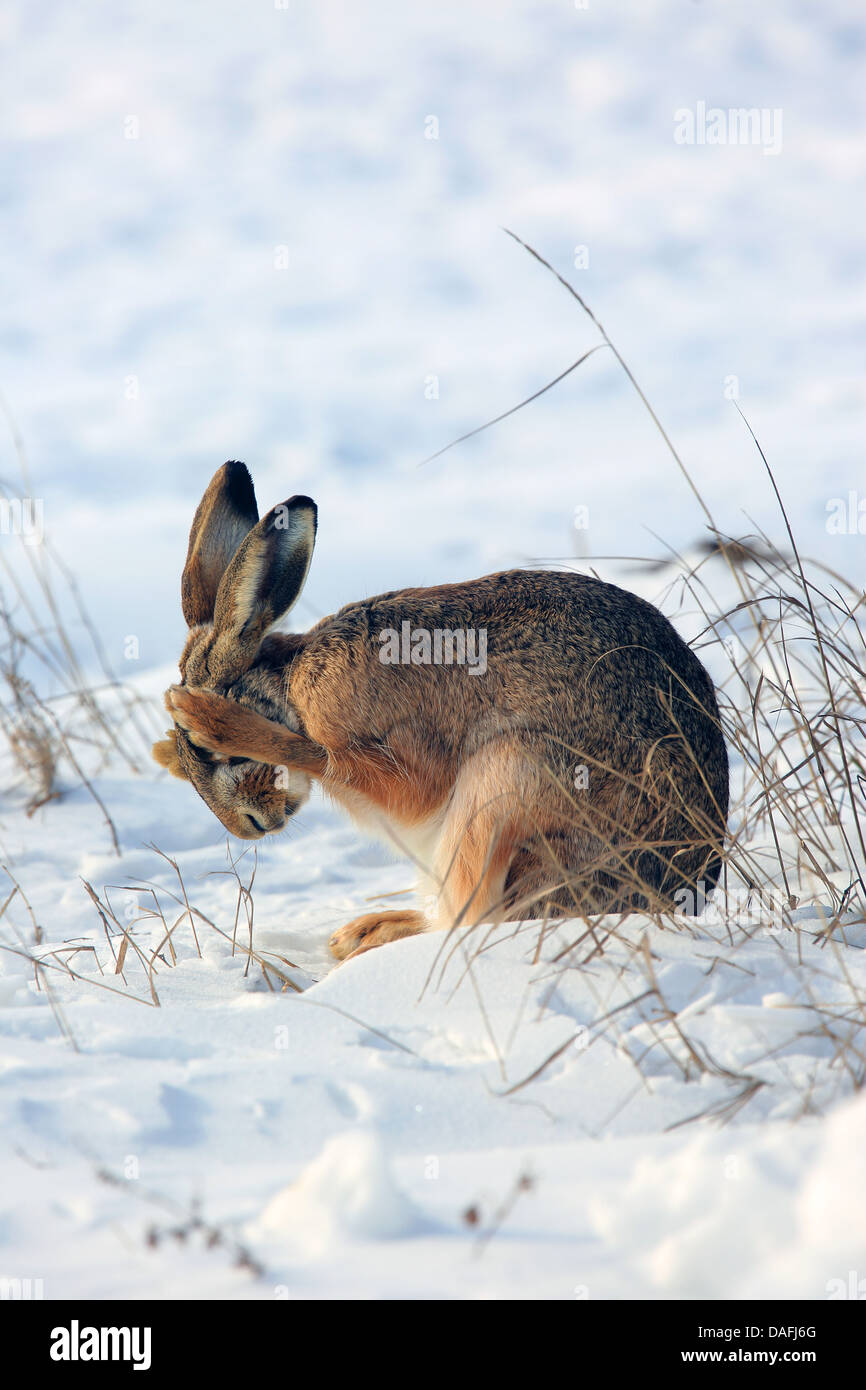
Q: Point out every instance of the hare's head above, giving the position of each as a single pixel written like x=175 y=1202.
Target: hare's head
x=241 y=576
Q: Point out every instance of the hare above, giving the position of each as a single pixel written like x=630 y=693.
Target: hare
x=537 y=742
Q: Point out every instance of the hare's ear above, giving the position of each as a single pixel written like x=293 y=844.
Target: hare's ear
x=225 y=514
x=165 y=753
x=263 y=581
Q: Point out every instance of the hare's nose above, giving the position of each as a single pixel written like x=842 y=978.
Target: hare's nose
x=265 y=824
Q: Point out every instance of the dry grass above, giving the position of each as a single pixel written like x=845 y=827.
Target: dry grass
x=169 y=913
x=143 y=939
x=63 y=710
x=783 y=637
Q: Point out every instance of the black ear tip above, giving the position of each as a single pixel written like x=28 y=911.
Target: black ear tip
x=299 y=503
x=239 y=486
x=299 y=500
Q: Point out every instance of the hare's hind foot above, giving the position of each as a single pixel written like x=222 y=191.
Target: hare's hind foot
x=375 y=929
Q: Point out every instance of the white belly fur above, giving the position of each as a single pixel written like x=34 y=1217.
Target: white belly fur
x=418 y=843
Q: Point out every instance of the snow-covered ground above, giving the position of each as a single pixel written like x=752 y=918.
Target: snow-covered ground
x=233 y=237
x=508 y=1113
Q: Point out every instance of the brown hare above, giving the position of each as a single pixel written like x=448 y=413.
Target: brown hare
x=536 y=742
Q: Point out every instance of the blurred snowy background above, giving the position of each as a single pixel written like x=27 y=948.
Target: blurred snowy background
x=229 y=232
x=243 y=230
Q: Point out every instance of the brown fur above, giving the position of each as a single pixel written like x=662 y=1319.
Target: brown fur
x=165 y=753
x=374 y=929
x=579 y=673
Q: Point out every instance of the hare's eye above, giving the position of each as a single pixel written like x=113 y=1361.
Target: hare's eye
x=236 y=762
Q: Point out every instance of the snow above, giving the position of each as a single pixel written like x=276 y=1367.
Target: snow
x=340 y=1136
x=347 y=1193
x=498 y=1115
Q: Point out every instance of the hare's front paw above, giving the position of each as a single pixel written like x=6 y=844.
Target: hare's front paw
x=375 y=929
x=207 y=719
